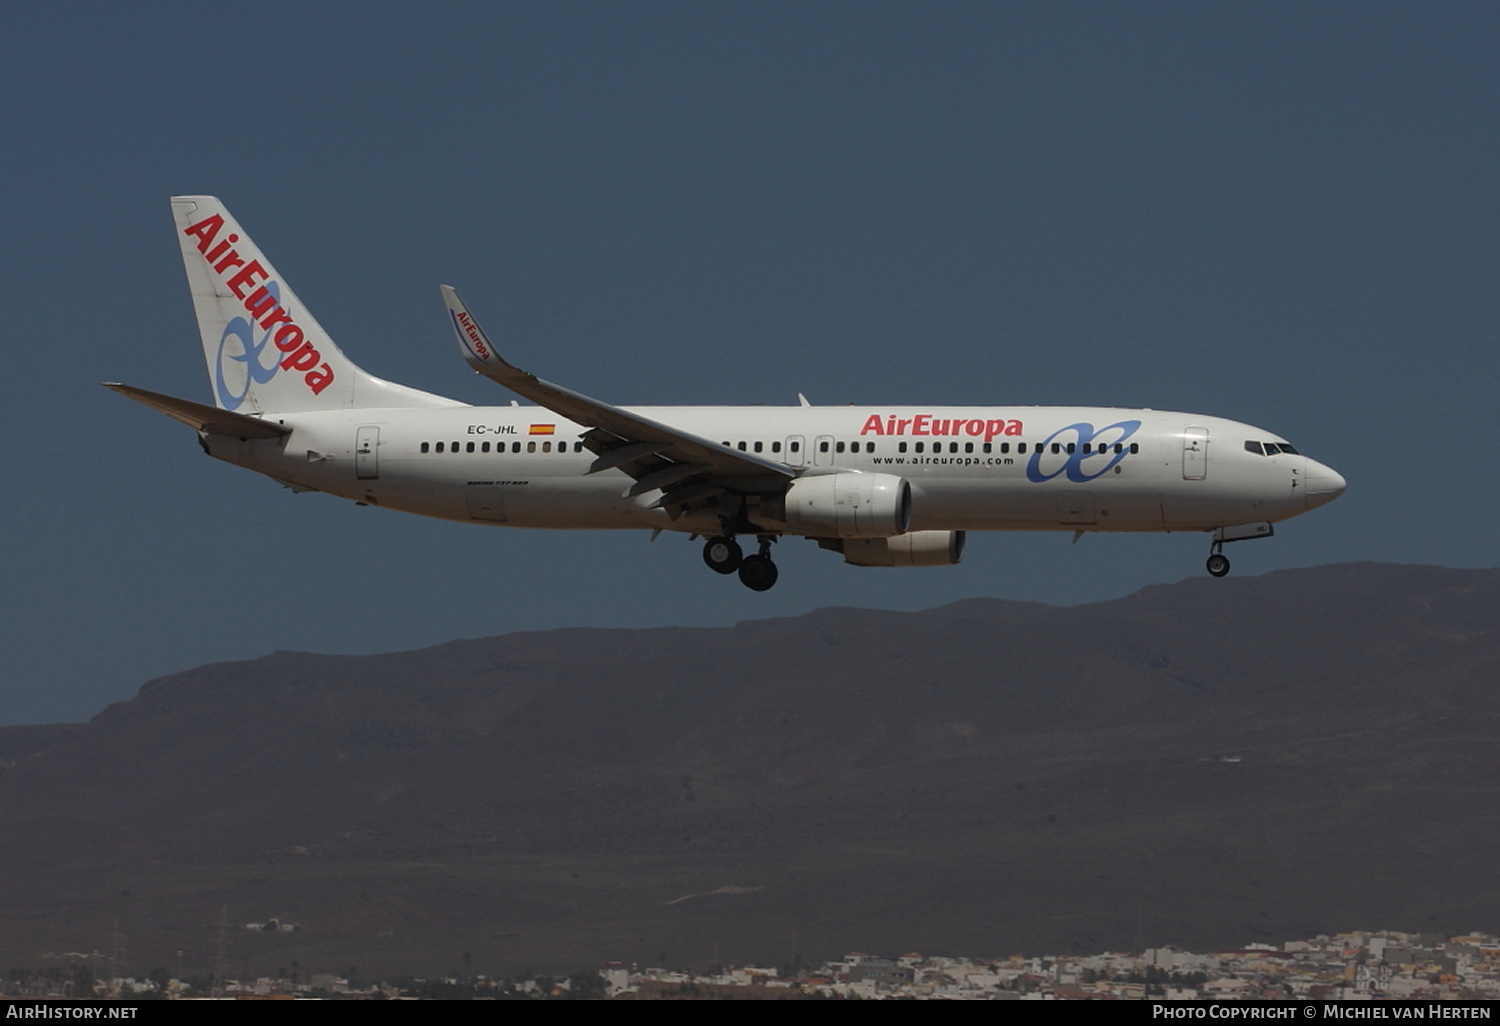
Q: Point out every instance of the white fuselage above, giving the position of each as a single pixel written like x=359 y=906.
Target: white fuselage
x=969 y=468
x=883 y=486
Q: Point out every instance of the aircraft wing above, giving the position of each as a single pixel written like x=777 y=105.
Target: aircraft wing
x=688 y=468
x=209 y=419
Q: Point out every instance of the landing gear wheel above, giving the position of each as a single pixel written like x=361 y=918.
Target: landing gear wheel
x=722 y=555
x=758 y=573
x=1218 y=564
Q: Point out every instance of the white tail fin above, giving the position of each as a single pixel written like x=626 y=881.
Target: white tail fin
x=265 y=352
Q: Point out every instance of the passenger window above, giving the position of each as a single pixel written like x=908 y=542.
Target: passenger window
x=1072 y=448
x=920 y=445
x=775 y=446
x=968 y=447
x=741 y=447
x=796 y=447
x=900 y=446
x=822 y=446
x=425 y=446
x=1021 y=448
x=453 y=447
x=440 y=447
x=1134 y=447
x=757 y=446
x=469 y=447
x=546 y=447
x=515 y=446
x=839 y=447
x=531 y=447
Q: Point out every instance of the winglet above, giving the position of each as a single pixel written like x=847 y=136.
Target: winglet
x=472 y=341
x=680 y=448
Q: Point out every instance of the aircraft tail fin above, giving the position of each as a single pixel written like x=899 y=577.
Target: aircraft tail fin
x=265 y=351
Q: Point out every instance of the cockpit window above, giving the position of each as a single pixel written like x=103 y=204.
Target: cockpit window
x=1270 y=448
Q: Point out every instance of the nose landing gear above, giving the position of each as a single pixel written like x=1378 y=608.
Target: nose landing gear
x=1218 y=563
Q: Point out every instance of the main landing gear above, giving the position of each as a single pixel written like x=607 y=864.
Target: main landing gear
x=757 y=572
x=1218 y=563
x=722 y=555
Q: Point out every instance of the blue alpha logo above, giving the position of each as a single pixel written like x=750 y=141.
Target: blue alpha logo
x=1081 y=452
x=254 y=372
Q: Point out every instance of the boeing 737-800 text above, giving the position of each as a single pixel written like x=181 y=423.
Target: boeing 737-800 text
x=884 y=486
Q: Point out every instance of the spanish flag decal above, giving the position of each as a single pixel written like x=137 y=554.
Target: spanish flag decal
x=543 y=429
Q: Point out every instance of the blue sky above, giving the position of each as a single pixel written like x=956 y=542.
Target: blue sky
x=1280 y=213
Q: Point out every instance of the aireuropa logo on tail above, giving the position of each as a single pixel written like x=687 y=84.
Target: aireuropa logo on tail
x=264 y=307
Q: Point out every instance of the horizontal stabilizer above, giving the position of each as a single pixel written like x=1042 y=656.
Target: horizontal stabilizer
x=203 y=418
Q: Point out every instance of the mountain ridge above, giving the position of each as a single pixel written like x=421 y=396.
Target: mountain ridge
x=1003 y=776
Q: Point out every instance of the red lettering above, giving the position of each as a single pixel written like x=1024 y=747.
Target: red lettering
x=303 y=359
x=993 y=428
x=288 y=339
x=206 y=230
x=260 y=303
x=480 y=349
x=873 y=426
x=232 y=260
x=319 y=379
x=901 y=427
x=218 y=250
x=974 y=427
x=1013 y=428
x=275 y=317
x=245 y=278
x=919 y=423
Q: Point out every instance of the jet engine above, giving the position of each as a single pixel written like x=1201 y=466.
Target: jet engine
x=848 y=505
x=916 y=548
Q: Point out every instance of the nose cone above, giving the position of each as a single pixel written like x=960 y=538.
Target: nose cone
x=1324 y=484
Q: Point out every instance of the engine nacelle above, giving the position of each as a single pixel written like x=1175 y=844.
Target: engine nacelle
x=917 y=548
x=846 y=505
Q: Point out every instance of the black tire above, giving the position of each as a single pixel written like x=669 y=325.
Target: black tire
x=1218 y=565
x=722 y=555
x=758 y=573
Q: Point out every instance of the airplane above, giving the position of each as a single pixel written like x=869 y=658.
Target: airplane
x=884 y=486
